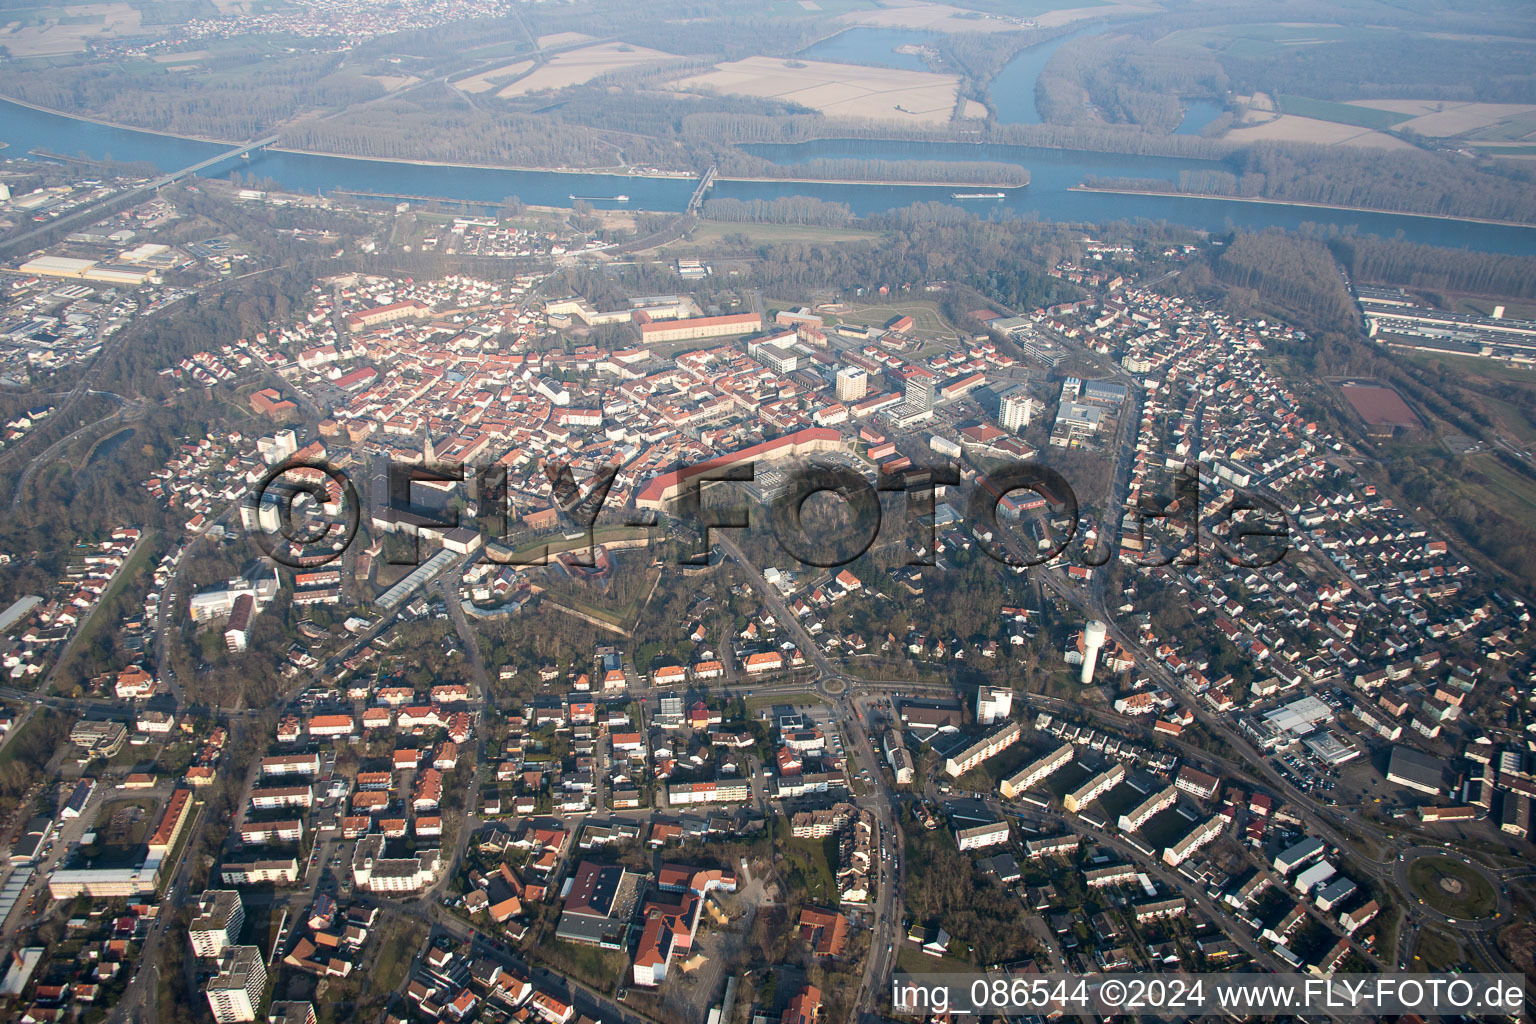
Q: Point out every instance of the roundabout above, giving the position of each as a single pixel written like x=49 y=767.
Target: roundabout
x=1449 y=886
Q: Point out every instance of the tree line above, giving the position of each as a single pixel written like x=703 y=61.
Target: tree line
x=1394 y=181
x=238 y=102
x=1124 y=80
x=807 y=210
x=1394 y=261
x=947 y=172
x=1288 y=270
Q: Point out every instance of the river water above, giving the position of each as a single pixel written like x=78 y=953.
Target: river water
x=1052 y=171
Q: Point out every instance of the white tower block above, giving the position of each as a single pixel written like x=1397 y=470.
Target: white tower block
x=1093 y=639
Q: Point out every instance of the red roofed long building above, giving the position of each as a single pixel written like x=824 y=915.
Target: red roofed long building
x=663 y=489
x=698 y=327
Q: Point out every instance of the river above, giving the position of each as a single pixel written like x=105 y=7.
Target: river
x=1053 y=172
x=1013 y=90
x=1049 y=195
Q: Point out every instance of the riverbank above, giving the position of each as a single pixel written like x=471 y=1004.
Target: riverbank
x=1049 y=195
x=856 y=181
x=1172 y=194
x=226 y=143
x=606 y=172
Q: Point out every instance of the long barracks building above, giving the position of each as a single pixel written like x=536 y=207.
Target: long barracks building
x=662 y=490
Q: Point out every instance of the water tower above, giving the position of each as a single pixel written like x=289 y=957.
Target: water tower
x=1093 y=639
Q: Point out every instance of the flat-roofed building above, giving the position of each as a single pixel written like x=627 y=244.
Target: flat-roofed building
x=993 y=704
x=718 y=791
x=374 y=872
x=259 y=871
x=105 y=883
x=1416 y=770
x=236 y=991
x=599 y=905
x=99 y=739
x=291 y=1012
x=220 y=916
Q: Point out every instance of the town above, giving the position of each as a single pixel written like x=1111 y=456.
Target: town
x=524 y=748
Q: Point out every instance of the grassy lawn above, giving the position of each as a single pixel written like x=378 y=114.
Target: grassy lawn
x=1482 y=376
x=1340 y=113
x=925 y=316
x=555 y=544
x=13 y=744
x=812 y=858
x=1475 y=898
x=1437 y=949
x=136 y=827
x=753 y=703
x=591 y=964
x=392 y=960
x=1497 y=150
x=622 y=616
x=913 y=960
x=820 y=8
x=1476 y=366
x=1509 y=493
x=1514 y=309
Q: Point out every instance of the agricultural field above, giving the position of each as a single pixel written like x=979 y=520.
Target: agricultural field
x=55 y=31
x=837 y=90
x=1291 y=128
x=579 y=66
x=1341 y=113
x=1482 y=122
x=1257 y=40
x=485 y=81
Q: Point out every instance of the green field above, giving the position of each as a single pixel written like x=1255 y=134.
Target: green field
x=1493 y=150
x=1261 y=40
x=819 y=8
x=755 y=703
x=925 y=316
x=1436 y=950
x=1340 y=113
x=812 y=860
x=1475 y=366
x=1474 y=898
x=392 y=959
x=1508 y=492
x=913 y=960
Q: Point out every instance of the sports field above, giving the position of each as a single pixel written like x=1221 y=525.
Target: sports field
x=1380 y=406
